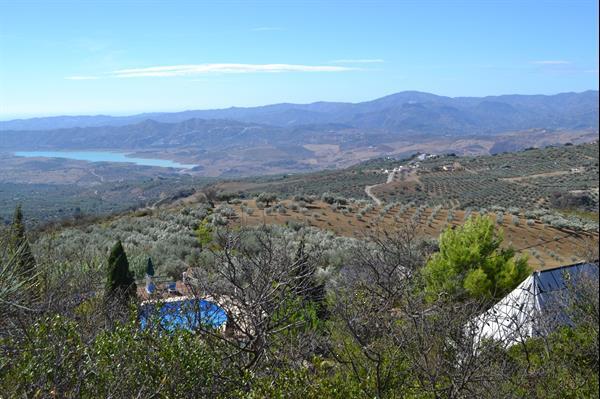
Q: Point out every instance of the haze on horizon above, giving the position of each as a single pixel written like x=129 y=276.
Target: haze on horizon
x=68 y=58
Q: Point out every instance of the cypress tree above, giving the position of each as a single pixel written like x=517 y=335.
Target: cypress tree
x=120 y=279
x=20 y=244
x=311 y=290
x=150 y=268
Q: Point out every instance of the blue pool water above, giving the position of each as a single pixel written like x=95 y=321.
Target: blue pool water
x=186 y=314
x=104 y=156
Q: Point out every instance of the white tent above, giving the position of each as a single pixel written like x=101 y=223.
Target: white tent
x=537 y=306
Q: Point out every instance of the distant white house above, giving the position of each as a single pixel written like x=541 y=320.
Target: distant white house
x=424 y=156
x=537 y=306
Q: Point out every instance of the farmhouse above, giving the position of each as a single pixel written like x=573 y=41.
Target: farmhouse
x=424 y=156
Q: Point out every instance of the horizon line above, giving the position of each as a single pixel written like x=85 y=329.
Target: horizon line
x=117 y=114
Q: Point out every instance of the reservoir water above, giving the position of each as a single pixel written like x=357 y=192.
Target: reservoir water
x=104 y=156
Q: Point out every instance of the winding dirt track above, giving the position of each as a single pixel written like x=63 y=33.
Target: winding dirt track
x=370 y=194
x=368 y=189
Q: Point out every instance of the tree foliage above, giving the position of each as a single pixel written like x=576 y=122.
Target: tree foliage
x=150 y=268
x=386 y=334
x=204 y=234
x=13 y=282
x=120 y=279
x=20 y=244
x=472 y=264
x=266 y=198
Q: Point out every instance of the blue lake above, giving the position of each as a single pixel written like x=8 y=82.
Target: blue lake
x=104 y=156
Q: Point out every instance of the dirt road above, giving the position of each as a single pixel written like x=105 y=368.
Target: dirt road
x=369 y=192
x=371 y=195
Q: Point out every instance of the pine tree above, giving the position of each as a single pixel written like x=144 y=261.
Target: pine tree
x=20 y=244
x=120 y=279
x=472 y=263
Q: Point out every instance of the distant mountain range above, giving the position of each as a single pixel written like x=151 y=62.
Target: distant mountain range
x=285 y=138
x=408 y=111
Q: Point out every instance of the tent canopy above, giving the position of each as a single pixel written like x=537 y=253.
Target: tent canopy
x=538 y=305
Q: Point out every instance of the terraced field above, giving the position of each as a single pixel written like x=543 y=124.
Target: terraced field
x=524 y=179
x=546 y=246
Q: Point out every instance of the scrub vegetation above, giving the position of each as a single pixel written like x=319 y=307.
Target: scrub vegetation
x=310 y=313
x=326 y=294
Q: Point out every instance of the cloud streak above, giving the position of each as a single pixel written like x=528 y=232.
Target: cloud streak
x=359 y=61
x=551 y=62
x=200 y=69
x=203 y=69
x=82 y=77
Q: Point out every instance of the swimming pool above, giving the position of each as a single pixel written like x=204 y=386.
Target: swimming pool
x=186 y=314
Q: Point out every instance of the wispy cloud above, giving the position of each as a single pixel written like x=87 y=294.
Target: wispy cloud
x=82 y=77
x=358 y=61
x=551 y=62
x=199 y=69
x=203 y=69
x=561 y=68
x=266 y=28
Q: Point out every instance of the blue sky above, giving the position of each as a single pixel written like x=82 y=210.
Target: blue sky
x=122 y=57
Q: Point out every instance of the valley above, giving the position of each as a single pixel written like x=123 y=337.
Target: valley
x=284 y=147
x=554 y=224
x=299 y=199
x=295 y=138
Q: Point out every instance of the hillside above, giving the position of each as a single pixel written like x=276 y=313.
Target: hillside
x=557 y=177
x=546 y=246
x=323 y=271
x=525 y=179
x=546 y=204
x=297 y=259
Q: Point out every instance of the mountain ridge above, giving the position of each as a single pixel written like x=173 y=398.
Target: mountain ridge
x=558 y=110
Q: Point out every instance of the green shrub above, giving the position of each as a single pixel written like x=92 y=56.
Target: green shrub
x=471 y=263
